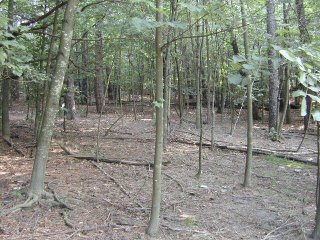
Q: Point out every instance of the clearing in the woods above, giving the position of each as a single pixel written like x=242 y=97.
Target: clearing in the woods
x=111 y=199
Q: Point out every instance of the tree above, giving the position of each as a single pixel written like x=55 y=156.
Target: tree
x=52 y=104
x=99 y=86
x=6 y=84
x=156 y=191
x=273 y=71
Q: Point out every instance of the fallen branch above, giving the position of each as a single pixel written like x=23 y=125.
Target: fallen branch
x=116 y=182
x=82 y=230
x=10 y=143
x=112 y=125
x=179 y=184
x=117 y=161
x=256 y=151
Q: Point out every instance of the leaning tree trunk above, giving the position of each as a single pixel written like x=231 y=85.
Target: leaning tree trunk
x=52 y=103
x=273 y=72
x=153 y=226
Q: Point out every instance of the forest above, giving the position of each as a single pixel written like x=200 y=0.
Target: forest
x=179 y=119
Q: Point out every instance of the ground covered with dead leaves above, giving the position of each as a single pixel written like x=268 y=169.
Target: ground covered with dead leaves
x=112 y=200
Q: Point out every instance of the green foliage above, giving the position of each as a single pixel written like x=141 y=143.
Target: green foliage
x=307 y=61
x=158 y=104
x=285 y=162
x=242 y=71
x=273 y=134
x=189 y=221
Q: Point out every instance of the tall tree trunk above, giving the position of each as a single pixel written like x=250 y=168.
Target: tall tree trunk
x=273 y=72
x=70 y=103
x=6 y=84
x=84 y=86
x=99 y=86
x=153 y=226
x=41 y=102
x=39 y=167
x=248 y=170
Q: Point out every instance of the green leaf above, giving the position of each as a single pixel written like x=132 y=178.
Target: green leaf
x=179 y=25
x=158 y=104
x=300 y=64
x=144 y=24
x=238 y=58
x=316 y=115
x=248 y=66
x=314 y=88
x=288 y=55
x=191 y=7
x=276 y=47
x=302 y=78
x=3 y=56
x=235 y=79
x=299 y=93
x=314 y=98
x=304 y=107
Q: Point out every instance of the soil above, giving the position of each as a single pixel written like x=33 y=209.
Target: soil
x=112 y=201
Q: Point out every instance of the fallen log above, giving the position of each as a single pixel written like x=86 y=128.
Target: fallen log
x=116 y=161
x=256 y=151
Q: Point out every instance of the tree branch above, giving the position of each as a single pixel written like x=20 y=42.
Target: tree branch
x=38 y=19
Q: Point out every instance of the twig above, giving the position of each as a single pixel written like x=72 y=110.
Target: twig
x=116 y=182
x=278 y=228
x=179 y=184
x=10 y=143
x=114 y=123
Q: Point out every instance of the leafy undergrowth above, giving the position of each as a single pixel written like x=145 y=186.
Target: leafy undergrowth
x=112 y=201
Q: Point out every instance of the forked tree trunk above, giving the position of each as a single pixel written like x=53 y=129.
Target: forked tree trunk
x=153 y=226
x=52 y=103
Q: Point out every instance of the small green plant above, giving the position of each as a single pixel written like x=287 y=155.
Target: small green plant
x=284 y=162
x=189 y=221
x=16 y=192
x=273 y=134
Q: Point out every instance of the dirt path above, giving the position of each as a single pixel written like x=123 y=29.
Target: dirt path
x=216 y=206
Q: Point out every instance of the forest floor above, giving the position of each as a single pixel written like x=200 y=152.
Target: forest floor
x=112 y=201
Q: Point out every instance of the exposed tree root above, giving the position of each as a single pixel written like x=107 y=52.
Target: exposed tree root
x=66 y=220
x=31 y=200
x=34 y=199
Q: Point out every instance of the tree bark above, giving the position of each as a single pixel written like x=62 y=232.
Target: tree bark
x=273 y=72
x=39 y=167
x=153 y=225
x=70 y=103
x=6 y=84
x=248 y=169
x=99 y=86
